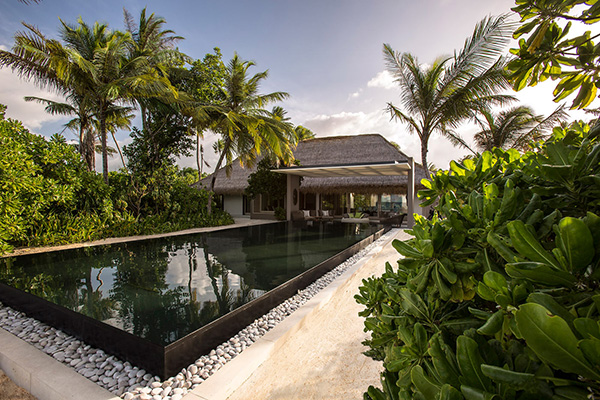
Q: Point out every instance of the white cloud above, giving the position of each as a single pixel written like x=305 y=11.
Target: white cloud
x=12 y=91
x=382 y=80
x=355 y=94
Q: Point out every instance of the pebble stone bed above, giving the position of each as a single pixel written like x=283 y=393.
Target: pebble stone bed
x=133 y=383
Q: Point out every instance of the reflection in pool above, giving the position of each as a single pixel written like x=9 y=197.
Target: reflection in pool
x=163 y=289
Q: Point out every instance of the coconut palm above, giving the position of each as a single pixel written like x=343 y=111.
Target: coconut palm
x=514 y=128
x=157 y=47
x=111 y=74
x=93 y=64
x=300 y=132
x=437 y=98
x=246 y=129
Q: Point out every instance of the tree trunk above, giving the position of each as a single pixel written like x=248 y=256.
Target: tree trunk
x=214 y=176
x=118 y=148
x=424 y=150
x=198 y=161
x=102 y=118
x=89 y=151
x=143 y=112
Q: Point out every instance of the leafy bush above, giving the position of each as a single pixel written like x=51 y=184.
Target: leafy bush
x=43 y=185
x=48 y=197
x=498 y=296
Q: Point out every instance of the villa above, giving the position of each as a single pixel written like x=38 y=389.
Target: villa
x=335 y=176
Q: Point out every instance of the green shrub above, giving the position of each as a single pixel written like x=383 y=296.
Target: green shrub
x=47 y=196
x=498 y=296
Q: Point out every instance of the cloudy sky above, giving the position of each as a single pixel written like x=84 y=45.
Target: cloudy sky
x=326 y=53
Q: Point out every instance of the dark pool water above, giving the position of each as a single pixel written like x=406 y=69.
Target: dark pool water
x=163 y=289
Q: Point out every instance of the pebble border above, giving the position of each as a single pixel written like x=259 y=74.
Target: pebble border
x=132 y=383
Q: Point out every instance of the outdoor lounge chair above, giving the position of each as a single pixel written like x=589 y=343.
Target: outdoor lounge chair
x=302 y=215
x=394 y=220
x=356 y=218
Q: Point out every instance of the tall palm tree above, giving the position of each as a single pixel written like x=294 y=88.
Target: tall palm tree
x=83 y=113
x=93 y=64
x=157 y=46
x=439 y=97
x=300 y=132
x=111 y=74
x=514 y=128
x=246 y=128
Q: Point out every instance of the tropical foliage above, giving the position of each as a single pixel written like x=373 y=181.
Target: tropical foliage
x=439 y=97
x=265 y=182
x=247 y=130
x=497 y=295
x=104 y=75
x=514 y=128
x=548 y=48
x=48 y=196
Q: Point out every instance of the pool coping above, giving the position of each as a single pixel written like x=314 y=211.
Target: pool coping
x=239 y=223
x=222 y=384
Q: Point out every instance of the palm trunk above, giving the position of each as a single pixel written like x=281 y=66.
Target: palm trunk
x=102 y=118
x=89 y=151
x=118 y=148
x=198 y=161
x=214 y=176
x=143 y=112
x=424 y=150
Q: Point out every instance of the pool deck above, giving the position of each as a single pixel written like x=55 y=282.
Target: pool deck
x=315 y=353
x=238 y=223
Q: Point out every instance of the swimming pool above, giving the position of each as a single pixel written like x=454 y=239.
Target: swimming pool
x=154 y=301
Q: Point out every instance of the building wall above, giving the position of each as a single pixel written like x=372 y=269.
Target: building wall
x=234 y=204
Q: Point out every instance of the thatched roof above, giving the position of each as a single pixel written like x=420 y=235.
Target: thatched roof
x=337 y=150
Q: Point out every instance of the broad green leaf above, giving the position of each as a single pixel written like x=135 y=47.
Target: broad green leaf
x=591 y=350
x=517 y=380
x=413 y=304
x=541 y=273
x=551 y=305
x=469 y=362
x=528 y=246
x=552 y=340
x=449 y=393
x=587 y=327
x=496 y=282
x=424 y=384
x=406 y=250
x=472 y=393
x=576 y=242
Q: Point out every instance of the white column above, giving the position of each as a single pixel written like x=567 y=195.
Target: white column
x=293 y=183
x=410 y=195
x=317 y=203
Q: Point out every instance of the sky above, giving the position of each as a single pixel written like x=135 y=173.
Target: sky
x=327 y=54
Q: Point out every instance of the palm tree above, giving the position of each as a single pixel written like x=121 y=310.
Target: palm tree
x=77 y=106
x=93 y=67
x=246 y=128
x=157 y=47
x=439 y=97
x=112 y=75
x=514 y=128
x=300 y=132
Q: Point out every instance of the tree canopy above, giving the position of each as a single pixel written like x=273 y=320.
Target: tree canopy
x=548 y=49
x=439 y=97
